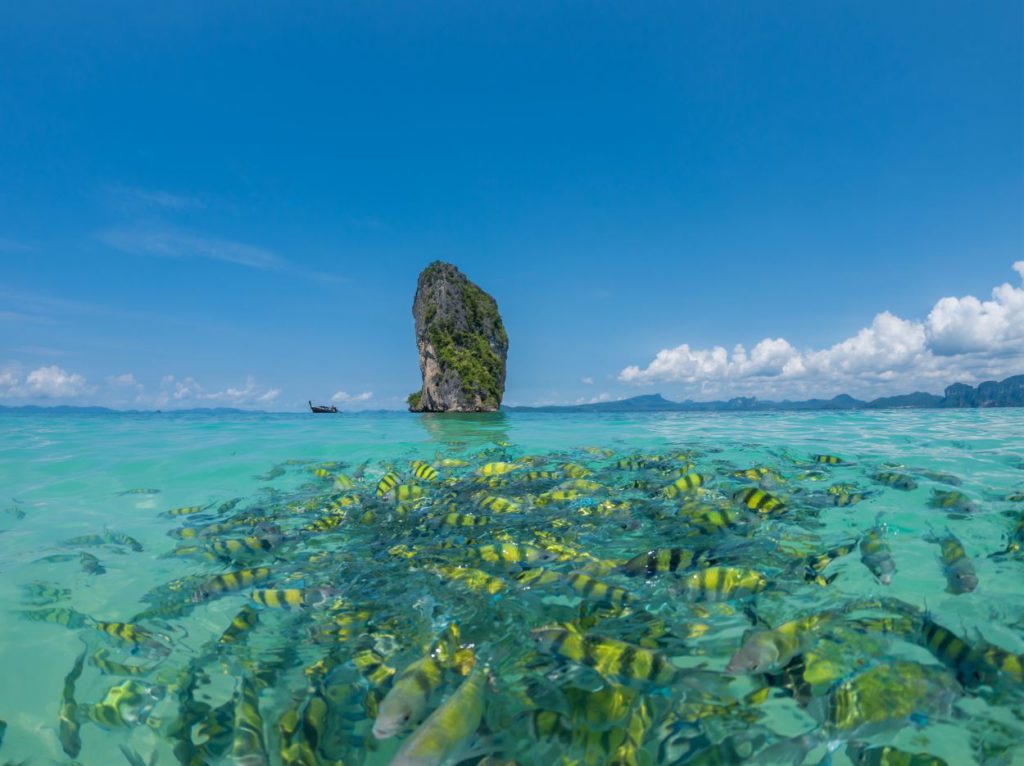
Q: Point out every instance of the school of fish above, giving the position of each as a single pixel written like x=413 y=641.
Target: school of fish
x=583 y=607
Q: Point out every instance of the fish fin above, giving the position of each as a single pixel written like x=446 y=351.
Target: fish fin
x=133 y=757
x=750 y=612
x=793 y=750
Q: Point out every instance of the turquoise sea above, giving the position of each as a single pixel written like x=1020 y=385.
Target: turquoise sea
x=630 y=670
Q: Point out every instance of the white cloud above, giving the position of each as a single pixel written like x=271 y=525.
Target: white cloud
x=588 y=381
x=341 y=397
x=602 y=397
x=966 y=325
x=174 y=243
x=188 y=392
x=54 y=381
x=51 y=382
x=268 y=396
x=9 y=380
x=125 y=390
x=961 y=339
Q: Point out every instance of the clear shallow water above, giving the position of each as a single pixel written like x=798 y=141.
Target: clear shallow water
x=64 y=477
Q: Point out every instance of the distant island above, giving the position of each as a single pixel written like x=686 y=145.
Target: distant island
x=1006 y=393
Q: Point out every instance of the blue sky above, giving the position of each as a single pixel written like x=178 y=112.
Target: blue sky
x=215 y=203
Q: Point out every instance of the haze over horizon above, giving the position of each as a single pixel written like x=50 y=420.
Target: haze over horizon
x=201 y=208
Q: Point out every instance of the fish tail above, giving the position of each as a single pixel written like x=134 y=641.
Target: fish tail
x=793 y=750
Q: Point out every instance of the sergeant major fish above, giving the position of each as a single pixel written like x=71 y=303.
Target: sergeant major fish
x=876 y=554
x=959 y=571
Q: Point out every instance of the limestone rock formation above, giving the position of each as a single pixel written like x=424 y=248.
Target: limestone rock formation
x=1004 y=393
x=461 y=341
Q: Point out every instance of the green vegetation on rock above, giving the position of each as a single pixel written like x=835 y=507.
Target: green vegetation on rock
x=460 y=324
x=470 y=354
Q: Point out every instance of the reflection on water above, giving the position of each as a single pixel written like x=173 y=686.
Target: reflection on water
x=465 y=429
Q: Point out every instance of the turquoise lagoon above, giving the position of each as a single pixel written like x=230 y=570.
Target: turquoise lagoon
x=67 y=476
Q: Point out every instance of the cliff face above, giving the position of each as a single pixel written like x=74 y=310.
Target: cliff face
x=1005 y=393
x=461 y=342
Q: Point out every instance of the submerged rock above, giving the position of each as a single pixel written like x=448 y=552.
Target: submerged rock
x=461 y=341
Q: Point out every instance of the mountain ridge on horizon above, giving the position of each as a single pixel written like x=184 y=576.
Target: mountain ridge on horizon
x=1004 y=393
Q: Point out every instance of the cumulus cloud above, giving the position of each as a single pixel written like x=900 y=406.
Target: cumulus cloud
x=587 y=381
x=125 y=390
x=341 y=397
x=51 y=382
x=964 y=339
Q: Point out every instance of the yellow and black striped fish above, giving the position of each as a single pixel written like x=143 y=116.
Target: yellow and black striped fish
x=723 y=584
x=956 y=565
x=514 y=553
x=387 y=482
x=424 y=471
x=896 y=480
x=474 y=579
x=372 y=666
x=462 y=520
x=70 y=738
x=241 y=623
x=541 y=476
x=558 y=496
x=497 y=469
x=247 y=745
x=876 y=554
x=119 y=538
x=758 y=500
x=128 y=632
x=575 y=470
x=599 y=592
x=816 y=564
x=663 y=560
x=230 y=582
x=326 y=523
x=126 y=704
x=683 y=484
x=497 y=504
x=233 y=548
x=185 y=510
x=611 y=658
x=828 y=460
x=281 y=598
x=952 y=500
x=540 y=576
x=754 y=474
